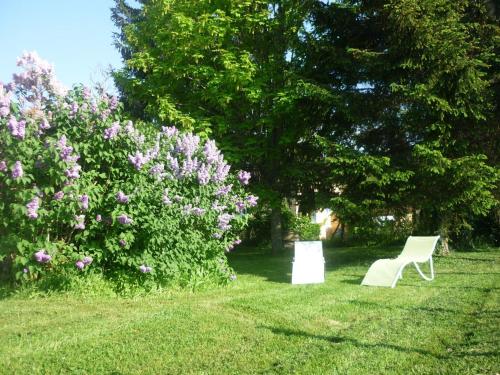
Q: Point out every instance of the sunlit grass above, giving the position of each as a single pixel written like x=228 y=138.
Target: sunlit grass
x=261 y=324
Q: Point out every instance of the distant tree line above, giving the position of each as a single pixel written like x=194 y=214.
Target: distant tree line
x=368 y=107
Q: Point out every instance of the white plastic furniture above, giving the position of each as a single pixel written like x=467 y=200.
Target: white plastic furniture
x=308 y=264
x=387 y=272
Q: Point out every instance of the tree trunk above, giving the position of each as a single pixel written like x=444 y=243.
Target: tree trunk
x=443 y=232
x=276 y=234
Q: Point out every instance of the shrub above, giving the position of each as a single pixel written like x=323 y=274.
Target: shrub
x=304 y=228
x=82 y=188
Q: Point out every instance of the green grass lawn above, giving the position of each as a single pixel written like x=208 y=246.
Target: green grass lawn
x=261 y=324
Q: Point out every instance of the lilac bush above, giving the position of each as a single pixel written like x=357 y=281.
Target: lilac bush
x=83 y=189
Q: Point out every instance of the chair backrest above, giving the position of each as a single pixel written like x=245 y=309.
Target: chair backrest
x=308 y=250
x=419 y=247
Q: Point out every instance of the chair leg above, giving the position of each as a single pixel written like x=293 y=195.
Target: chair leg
x=422 y=274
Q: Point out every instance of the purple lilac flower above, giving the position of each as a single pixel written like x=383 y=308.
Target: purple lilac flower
x=113 y=103
x=42 y=257
x=189 y=166
x=197 y=211
x=105 y=114
x=204 y=174
x=224 y=190
x=86 y=93
x=237 y=241
x=112 y=131
x=17 y=171
x=169 y=131
x=217 y=207
x=124 y=219
x=121 y=197
x=240 y=206
x=157 y=170
x=80 y=222
x=98 y=218
x=145 y=269
x=87 y=260
x=59 y=195
x=66 y=153
x=166 y=200
x=17 y=128
x=173 y=163
x=44 y=125
x=74 y=109
x=32 y=207
x=138 y=160
x=25 y=270
x=187 y=144
x=21 y=129
x=221 y=172
x=224 y=220
x=84 y=200
x=211 y=152
x=3 y=166
x=122 y=243
x=217 y=235
x=229 y=248
x=252 y=200
x=79 y=264
x=186 y=210
x=4 y=111
x=244 y=177
x=93 y=107
x=73 y=172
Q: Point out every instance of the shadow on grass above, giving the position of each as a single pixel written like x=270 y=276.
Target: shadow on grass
x=278 y=268
x=352 y=341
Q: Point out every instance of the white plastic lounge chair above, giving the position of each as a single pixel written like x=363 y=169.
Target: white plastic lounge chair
x=387 y=272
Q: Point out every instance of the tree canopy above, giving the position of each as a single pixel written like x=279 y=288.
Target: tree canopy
x=367 y=106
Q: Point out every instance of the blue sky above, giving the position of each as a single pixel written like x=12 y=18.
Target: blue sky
x=74 y=35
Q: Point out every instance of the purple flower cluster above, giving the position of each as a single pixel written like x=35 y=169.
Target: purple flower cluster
x=44 y=125
x=17 y=171
x=223 y=190
x=138 y=160
x=240 y=206
x=32 y=207
x=80 y=222
x=252 y=200
x=121 y=197
x=223 y=221
x=221 y=172
x=84 y=202
x=244 y=177
x=187 y=144
x=3 y=166
x=17 y=128
x=124 y=219
x=165 y=198
x=98 y=218
x=4 y=101
x=81 y=264
x=59 y=195
x=122 y=243
x=73 y=172
x=112 y=131
x=65 y=151
x=42 y=257
x=157 y=170
x=211 y=152
x=145 y=269
x=204 y=174
x=169 y=131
